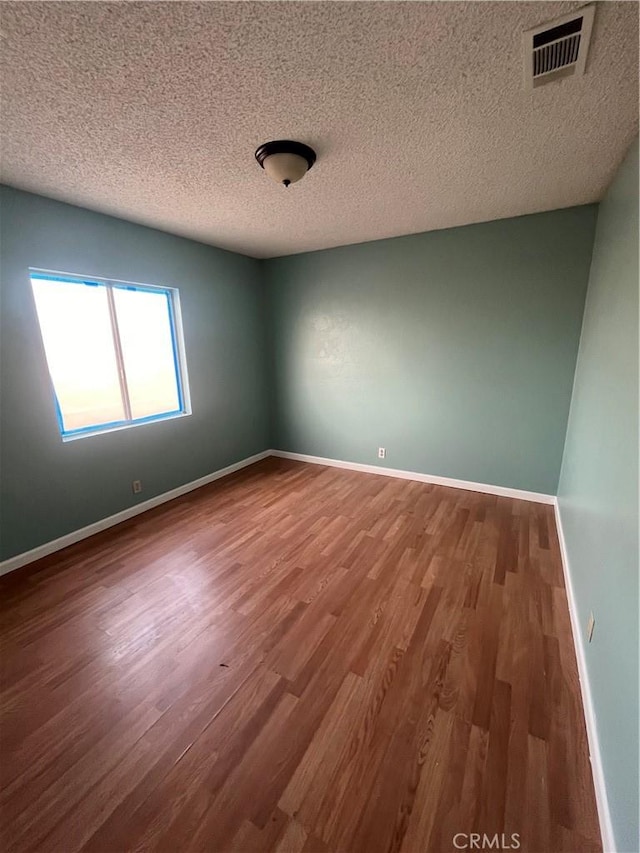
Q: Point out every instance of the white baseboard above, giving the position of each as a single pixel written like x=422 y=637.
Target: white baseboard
x=77 y=535
x=502 y=491
x=602 y=801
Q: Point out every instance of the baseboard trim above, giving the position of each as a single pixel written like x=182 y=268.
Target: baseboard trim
x=502 y=491
x=23 y=559
x=47 y=548
x=602 y=800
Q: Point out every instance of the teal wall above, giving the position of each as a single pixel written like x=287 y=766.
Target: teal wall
x=598 y=493
x=454 y=349
x=49 y=488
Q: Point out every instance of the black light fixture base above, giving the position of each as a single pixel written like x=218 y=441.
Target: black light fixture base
x=285 y=146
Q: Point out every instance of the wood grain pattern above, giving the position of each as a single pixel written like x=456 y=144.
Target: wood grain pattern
x=297 y=659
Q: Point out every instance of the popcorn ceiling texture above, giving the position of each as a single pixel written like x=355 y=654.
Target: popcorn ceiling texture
x=152 y=112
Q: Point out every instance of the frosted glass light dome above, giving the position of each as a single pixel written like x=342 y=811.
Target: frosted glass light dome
x=285 y=161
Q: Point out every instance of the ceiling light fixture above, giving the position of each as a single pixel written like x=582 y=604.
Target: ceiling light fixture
x=285 y=161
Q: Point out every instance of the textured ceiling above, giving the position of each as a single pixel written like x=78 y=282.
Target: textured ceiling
x=152 y=111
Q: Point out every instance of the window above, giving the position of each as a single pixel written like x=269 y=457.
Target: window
x=114 y=351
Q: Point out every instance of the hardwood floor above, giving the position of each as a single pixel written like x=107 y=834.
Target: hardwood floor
x=297 y=658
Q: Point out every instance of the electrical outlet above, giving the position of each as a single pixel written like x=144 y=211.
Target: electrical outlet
x=136 y=486
x=590 y=626
x=382 y=453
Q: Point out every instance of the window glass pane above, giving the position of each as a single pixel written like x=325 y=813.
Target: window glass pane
x=144 y=322
x=76 y=330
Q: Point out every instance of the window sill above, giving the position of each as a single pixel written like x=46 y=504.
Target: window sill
x=104 y=429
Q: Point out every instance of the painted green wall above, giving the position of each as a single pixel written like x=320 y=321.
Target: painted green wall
x=454 y=349
x=49 y=488
x=598 y=493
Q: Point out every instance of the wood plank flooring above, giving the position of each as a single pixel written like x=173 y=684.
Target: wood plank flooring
x=297 y=659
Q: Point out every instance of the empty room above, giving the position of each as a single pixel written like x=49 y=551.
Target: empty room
x=319 y=427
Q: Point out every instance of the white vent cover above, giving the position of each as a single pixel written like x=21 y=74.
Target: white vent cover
x=557 y=48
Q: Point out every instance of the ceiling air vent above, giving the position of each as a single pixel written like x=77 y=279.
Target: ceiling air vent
x=558 y=48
